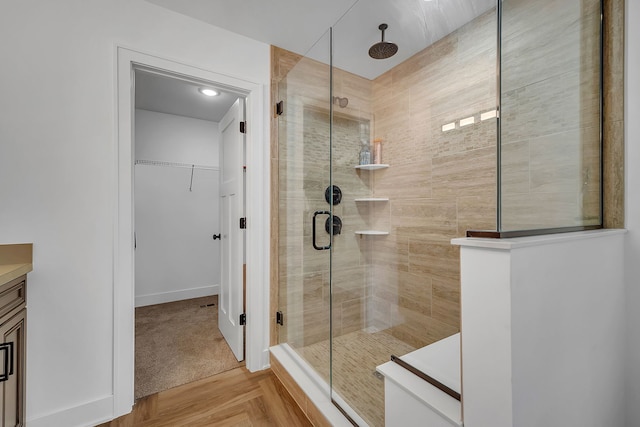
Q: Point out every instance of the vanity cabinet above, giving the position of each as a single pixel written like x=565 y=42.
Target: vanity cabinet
x=13 y=314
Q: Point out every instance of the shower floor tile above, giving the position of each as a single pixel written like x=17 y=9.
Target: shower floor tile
x=356 y=356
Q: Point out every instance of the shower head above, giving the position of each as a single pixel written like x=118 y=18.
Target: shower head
x=342 y=102
x=383 y=49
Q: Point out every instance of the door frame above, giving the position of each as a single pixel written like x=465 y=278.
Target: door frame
x=257 y=214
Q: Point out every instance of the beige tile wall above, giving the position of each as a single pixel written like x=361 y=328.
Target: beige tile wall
x=303 y=176
x=550 y=114
x=440 y=184
x=282 y=61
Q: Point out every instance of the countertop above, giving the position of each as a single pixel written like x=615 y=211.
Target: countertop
x=15 y=261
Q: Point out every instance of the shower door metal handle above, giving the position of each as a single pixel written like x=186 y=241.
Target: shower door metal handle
x=315 y=246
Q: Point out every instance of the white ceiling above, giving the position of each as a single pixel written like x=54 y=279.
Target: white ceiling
x=413 y=25
x=297 y=25
x=164 y=94
x=302 y=26
x=291 y=24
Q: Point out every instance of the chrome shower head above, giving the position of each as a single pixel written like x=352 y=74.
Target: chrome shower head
x=383 y=49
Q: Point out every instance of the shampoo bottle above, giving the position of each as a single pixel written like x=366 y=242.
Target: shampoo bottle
x=377 y=151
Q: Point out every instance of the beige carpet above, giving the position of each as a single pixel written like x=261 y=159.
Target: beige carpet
x=177 y=343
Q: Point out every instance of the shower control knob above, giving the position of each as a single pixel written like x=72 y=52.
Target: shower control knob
x=333 y=225
x=333 y=195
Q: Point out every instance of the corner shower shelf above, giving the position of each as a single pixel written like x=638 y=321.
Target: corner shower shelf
x=372 y=233
x=372 y=199
x=372 y=166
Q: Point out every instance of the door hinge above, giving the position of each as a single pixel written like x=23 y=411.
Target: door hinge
x=243 y=223
x=243 y=319
x=243 y=127
x=280 y=108
x=279 y=318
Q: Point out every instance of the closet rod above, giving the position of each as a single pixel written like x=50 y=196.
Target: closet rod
x=176 y=165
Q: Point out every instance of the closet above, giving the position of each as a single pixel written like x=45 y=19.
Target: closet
x=176 y=208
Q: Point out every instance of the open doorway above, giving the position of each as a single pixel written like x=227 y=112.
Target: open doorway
x=257 y=203
x=181 y=242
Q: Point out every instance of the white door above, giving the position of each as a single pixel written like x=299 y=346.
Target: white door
x=231 y=298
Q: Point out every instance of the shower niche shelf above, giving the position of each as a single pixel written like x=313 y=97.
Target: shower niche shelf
x=372 y=166
x=372 y=199
x=372 y=233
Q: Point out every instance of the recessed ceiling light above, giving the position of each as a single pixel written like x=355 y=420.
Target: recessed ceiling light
x=208 y=92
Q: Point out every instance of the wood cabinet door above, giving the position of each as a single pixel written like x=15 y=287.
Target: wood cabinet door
x=12 y=370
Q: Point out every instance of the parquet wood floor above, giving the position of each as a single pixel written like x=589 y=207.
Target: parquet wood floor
x=233 y=398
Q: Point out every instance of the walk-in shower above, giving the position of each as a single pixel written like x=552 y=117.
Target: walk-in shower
x=440 y=163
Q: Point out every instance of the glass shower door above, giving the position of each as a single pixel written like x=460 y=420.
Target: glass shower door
x=303 y=168
x=355 y=351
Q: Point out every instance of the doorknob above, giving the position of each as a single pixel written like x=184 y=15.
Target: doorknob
x=216 y=236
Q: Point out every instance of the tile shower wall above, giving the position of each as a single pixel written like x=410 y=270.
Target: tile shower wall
x=440 y=183
x=303 y=272
x=550 y=114
x=282 y=61
x=302 y=164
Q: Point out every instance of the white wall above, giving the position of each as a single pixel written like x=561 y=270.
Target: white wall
x=58 y=175
x=176 y=213
x=551 y=352
x=632 y=214
x=171 y=138
x=568 y=333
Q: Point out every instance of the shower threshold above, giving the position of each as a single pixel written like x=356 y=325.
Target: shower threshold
x=317 y=391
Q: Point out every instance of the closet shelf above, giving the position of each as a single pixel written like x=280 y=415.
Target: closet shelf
x=372 y=199
x=372 y=233
x=372 y=166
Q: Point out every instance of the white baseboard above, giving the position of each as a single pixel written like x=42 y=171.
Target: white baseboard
x=265 y=359
x=162 y=297
x=84 y=415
